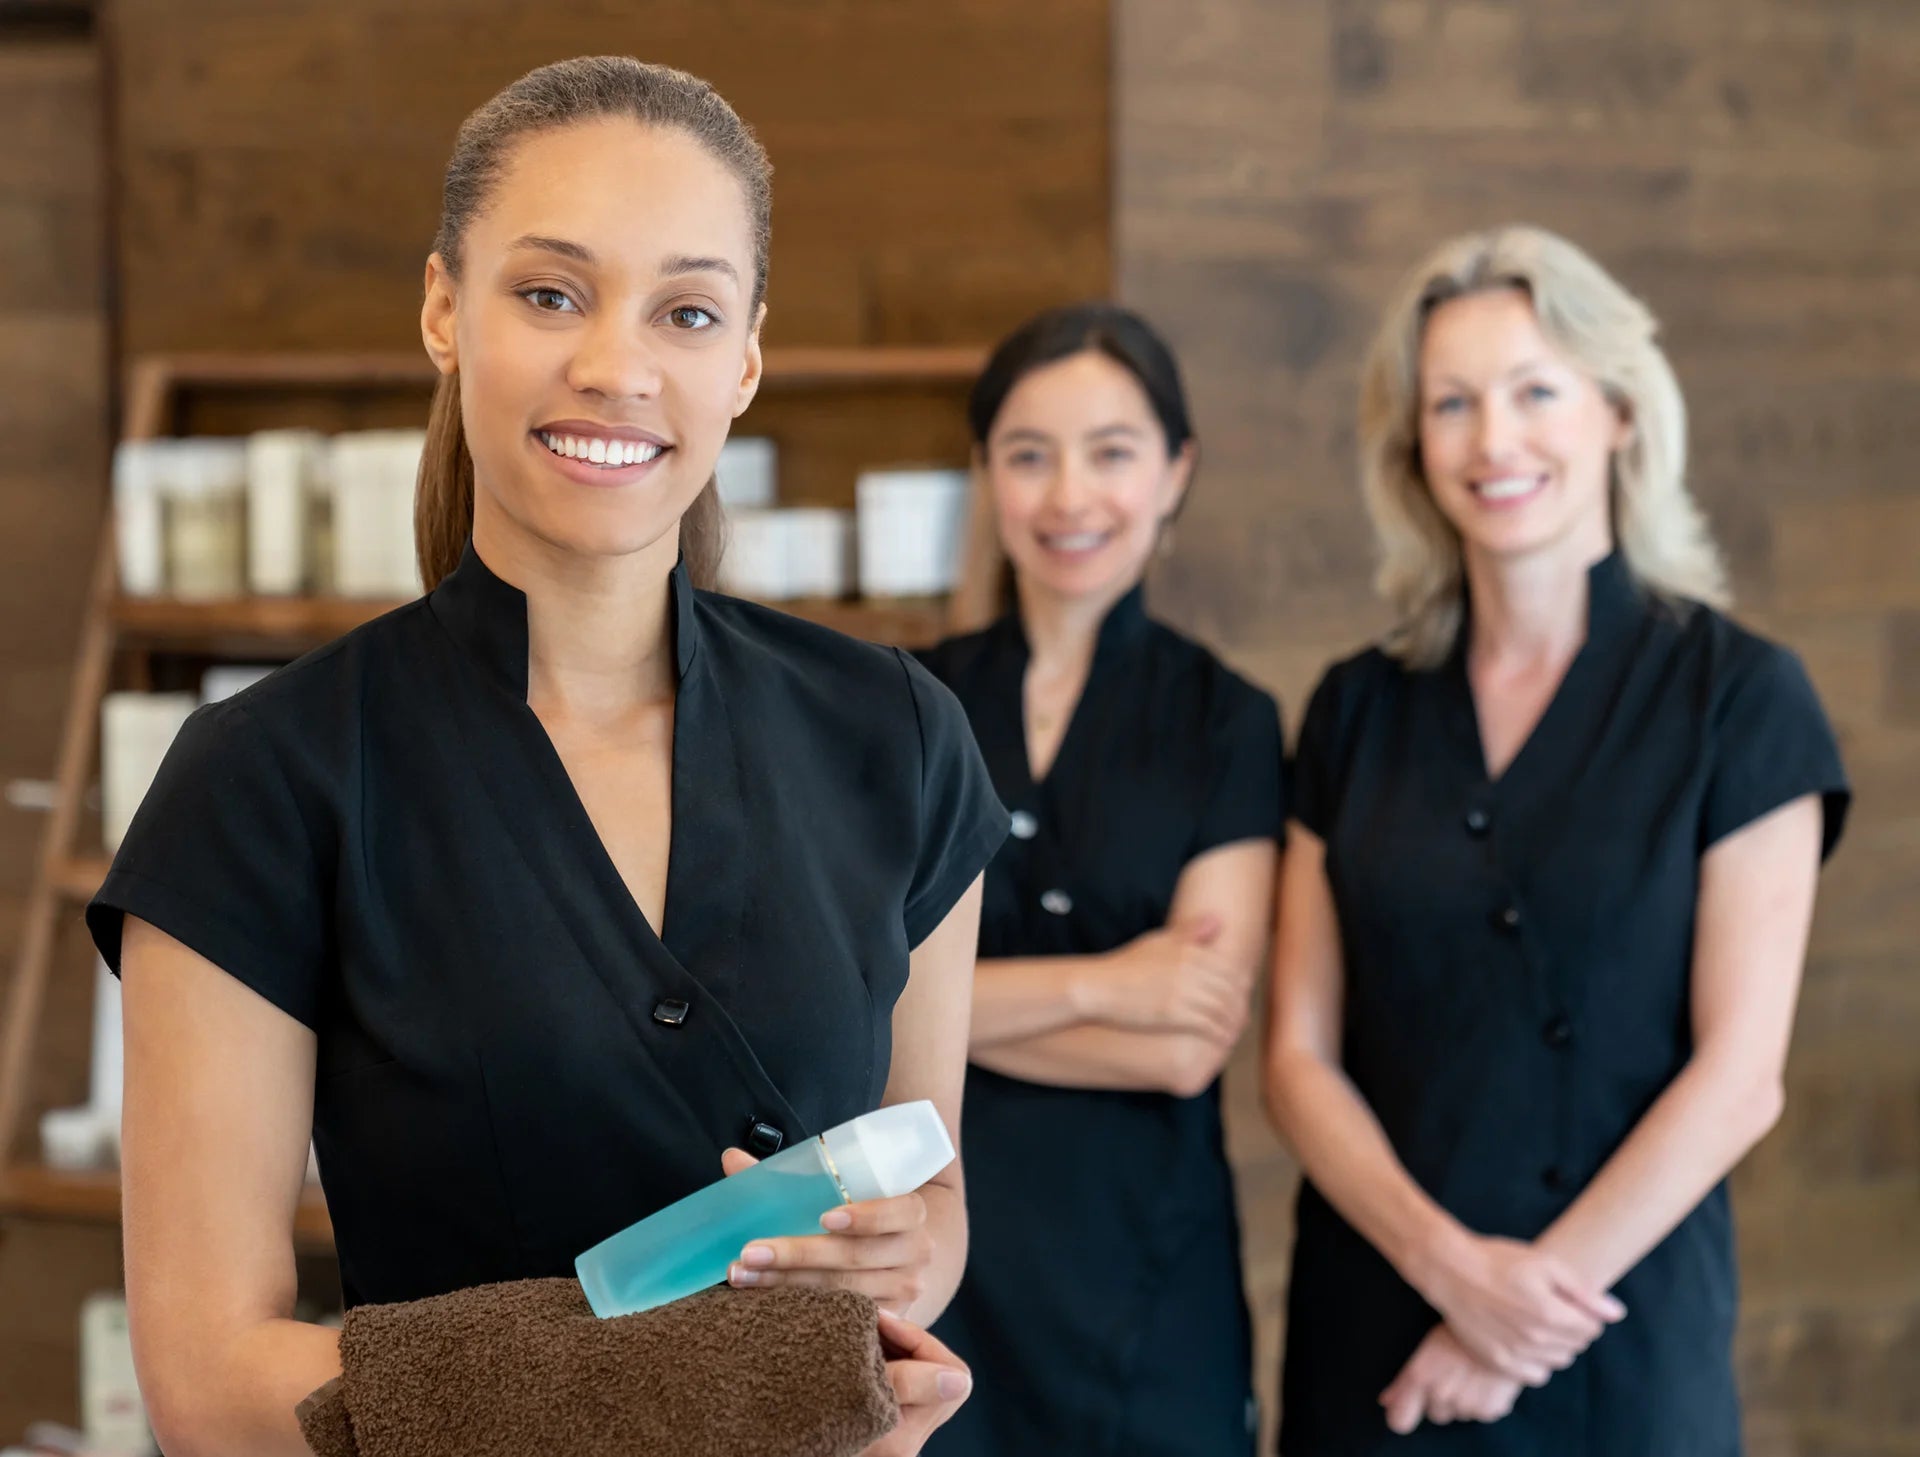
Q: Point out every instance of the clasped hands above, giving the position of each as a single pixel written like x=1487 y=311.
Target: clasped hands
x=1513 y=1315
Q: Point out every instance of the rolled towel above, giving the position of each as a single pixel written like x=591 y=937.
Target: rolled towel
x=525 y=1369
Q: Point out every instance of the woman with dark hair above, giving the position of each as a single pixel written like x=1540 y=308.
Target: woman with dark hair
x=1123 y=927
x=533 y=897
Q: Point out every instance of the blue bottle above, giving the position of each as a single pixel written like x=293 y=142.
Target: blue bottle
x=690 y=1245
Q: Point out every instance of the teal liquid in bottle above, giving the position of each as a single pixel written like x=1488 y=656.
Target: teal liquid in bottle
x=690 y=1245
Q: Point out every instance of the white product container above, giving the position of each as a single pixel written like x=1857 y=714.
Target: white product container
x=138 y=520
x=112 y=1413
x=136 y=730
x=755 y=561
x=280 y=464
x=204 y=490
x=373 y=474
x=748 y=473
x=912 y=527
x=819 y=552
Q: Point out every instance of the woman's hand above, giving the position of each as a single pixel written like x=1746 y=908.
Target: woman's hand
x=1173 y=980
x=881 y=1248
x=929 y=1382
x=1523 y=1312
x=1443 y=1383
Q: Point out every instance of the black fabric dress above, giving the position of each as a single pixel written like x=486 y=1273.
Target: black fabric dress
x=1102 y=1309
x=1518 y=962
x=381 y=840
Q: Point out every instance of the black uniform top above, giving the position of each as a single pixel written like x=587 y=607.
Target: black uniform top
x=1518 y=960
x=381 y=840
x=1102 y=1308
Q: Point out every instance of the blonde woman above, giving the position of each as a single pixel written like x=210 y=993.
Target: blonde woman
x=1543 y=919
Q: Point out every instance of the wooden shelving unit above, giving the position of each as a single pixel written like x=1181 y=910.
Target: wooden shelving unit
x=120 y=629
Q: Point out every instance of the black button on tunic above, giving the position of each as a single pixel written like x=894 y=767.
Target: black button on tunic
x=381 y=840
x=1102 y=1309
x=1518 y=960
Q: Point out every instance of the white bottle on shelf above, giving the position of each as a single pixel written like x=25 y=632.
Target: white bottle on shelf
x=373 y=473
x=139 y=534
x=136 y=730
x=279 y=465
x=913 y=527
x=205 y=493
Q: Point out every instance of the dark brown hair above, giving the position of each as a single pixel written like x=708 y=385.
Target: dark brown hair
x=586 y=88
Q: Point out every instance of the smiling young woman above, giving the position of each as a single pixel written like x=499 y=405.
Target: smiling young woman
x=532 y=899
x=1546 y=902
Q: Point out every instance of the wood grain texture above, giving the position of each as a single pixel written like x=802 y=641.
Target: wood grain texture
x=1745 y=165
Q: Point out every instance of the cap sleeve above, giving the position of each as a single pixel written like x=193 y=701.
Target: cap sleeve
x=221 y=857
x=1771 y=744
x=1313 y=789
x=961 y=819
x=1245 y=794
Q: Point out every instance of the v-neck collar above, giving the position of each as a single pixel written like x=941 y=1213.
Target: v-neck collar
x=1124 y=626
x=1615 y=602
x=488 y=618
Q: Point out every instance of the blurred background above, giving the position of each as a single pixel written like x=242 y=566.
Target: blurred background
x=187 y=181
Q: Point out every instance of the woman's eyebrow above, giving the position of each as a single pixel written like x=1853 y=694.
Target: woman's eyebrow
x=672 y=266
x=576 y=251
x=681 y=263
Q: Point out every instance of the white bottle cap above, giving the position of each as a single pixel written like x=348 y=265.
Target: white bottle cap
x=889 y=1151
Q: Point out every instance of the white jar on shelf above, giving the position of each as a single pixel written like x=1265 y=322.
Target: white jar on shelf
x=373 y=474
x=136 y=730
x=819 y=552
x=747 y=473
x=204 y=491
x=138 y=520
x=913 y=527
x=279 y=471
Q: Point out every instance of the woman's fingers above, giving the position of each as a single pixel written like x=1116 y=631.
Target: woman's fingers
x=924 y=1372
x=923 y=1383
x=832 y=1253
x=877 y=1216
x=1599 y=1306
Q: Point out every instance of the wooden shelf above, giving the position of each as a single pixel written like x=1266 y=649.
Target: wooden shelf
x=92 y=1196
x=269 y=623
x=266 y=621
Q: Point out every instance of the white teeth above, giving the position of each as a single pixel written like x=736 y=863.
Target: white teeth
x=611 y=453
x=1079 y=541
x=1506 y=489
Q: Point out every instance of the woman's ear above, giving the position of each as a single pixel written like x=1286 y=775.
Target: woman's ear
x=437 y=316
x=1179 y=477
x=752 y=369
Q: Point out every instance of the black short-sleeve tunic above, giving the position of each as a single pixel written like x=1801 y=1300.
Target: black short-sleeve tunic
x=1102 y=1308
x=381 y=840
x=1517 y=969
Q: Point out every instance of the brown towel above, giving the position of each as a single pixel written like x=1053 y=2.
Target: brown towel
x=527 y=1370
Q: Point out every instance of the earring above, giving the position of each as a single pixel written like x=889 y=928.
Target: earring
x=1164 y=547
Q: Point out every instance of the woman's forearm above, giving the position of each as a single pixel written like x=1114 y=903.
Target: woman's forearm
x=947 y=1223
x=1689 y=1140
x=1345 y=1152
x=1026 y=996
x=1112 y=1058
x=241 y=1402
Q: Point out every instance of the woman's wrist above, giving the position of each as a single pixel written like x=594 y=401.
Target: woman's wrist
x=1431 y=1249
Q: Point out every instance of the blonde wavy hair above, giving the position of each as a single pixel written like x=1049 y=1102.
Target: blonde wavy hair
x=1603 y=330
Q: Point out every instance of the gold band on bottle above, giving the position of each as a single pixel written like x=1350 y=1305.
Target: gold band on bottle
x=832 y=1168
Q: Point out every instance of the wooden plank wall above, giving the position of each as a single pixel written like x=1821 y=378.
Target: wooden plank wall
x=53 y=403
x=1748 y=167
x=941 y=171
